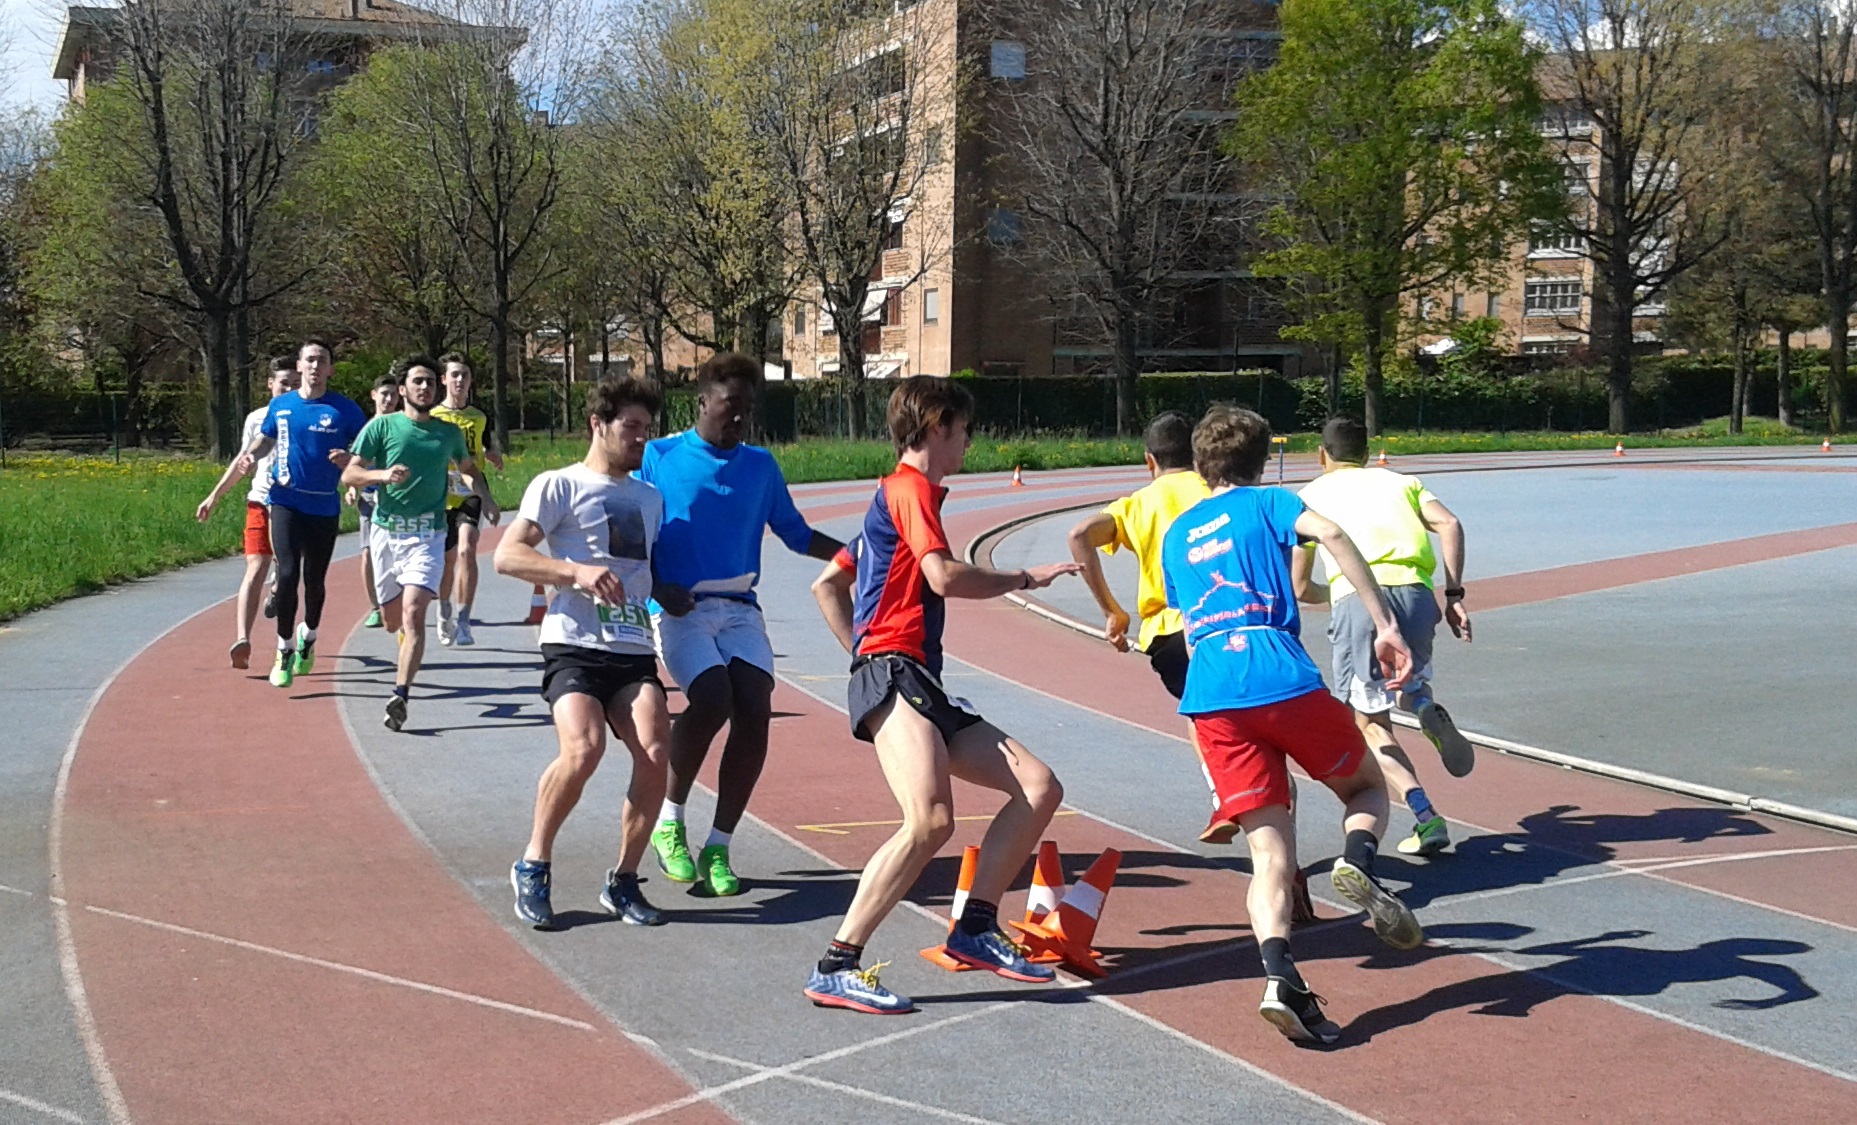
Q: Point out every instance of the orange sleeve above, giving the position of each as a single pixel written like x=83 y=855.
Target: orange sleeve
x=912 y=510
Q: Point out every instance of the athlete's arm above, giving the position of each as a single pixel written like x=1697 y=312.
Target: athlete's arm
x=232 y=473
x=952 y=578
x=491 y=453
x=480 y=488
x=517 y=557
x=246 y=461
x=1302 y=576
x=823 y=546
x=1086 y=539
x=1440 y=519
x=832 y=590
x=672 y=598
x=357 y=474
x=1388 y=646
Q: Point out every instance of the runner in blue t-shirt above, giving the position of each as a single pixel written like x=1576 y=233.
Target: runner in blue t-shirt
x=719 y=495
x=1256 y=699
x=310 y=428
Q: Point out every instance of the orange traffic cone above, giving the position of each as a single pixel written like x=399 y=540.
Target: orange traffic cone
x=938 y=954
x=1018 y=476
x=1826 y=447
x=1618 y=450
x=538 y=606
x=1068 y=930
x=1383 y=458
x=1047 y=883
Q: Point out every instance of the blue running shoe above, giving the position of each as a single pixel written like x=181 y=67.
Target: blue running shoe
x=623 y=899
x=858 y=990
x=997 y=953
x=530 y=881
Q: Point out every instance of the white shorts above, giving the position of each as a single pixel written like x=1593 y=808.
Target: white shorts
x=406 y=559
x=717 y=631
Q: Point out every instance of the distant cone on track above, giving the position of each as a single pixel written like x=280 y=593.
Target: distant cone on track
x=538 y=606
x=1018 y=476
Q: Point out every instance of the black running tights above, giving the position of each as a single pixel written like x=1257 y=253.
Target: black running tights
x=302 y=546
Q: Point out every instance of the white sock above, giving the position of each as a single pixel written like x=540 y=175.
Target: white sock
x=307 y=636
x=444 y=611
x=285 y=644
x=718 y=838
x=671 y=811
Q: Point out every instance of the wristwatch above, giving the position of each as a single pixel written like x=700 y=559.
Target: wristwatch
x=1455 y=593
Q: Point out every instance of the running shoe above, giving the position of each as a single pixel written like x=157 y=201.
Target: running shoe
x=461 y=635
x=712 y=867
x=1453 y=747
x=667 y=840
x=997 y=953
x=1297 y=1013
x=1429 y=838
x=1219 y=831
x=280 y=671
x=306 y=652
x=530 y=881
x=240 y=653
x=1302 y=907
x=1393 y=921
x=623 y=898
x=856 y=989
x=395 y=717
x=373 y=621
x=270 y=602
x=446 y=633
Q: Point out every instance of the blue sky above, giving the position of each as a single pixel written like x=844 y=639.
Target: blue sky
x=30 y=29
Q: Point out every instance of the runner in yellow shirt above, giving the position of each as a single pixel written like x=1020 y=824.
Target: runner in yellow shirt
x=463 y=511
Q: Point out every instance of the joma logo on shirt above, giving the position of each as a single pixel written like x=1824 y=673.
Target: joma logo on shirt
x=1206 y=529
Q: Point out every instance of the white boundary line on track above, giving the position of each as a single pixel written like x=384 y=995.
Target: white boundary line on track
x=856 y=1091
x=40 y=1107
x=16 y=891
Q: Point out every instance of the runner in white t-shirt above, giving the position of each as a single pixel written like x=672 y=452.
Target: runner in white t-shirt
x=257 y=518
x=600 y=667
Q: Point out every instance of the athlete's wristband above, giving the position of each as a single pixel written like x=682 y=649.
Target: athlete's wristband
x=1026 y=583
x=1455 y=593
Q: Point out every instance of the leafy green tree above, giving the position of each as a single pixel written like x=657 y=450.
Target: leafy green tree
x=1401 y=137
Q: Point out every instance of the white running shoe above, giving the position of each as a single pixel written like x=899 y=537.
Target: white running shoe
x=447 y=632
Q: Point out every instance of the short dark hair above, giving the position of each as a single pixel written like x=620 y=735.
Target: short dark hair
x=418 y=359
x=922 y=402
x=283 y=363
x=450 y=358
x=614 y=393
x=387 y=383
x=316 y=342
x=1169 y=440
x=727 y=367
x=1231 y=445
x=1345 y=439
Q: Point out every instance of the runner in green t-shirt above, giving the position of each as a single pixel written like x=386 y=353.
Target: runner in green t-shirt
x=416 y=450
x=464 y=512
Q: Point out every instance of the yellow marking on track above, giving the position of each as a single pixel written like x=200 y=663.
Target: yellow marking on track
x=840 y=829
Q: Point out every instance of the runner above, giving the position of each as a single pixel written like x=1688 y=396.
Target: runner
x=386 y=395
x=257 y=521
x=414 y=450
x=719 y=494
x=922 y=736
x=1391 y=517
x=1256 y=699
x=833 y=590
x=310 y=428
x=600 y=669
x=464 y=510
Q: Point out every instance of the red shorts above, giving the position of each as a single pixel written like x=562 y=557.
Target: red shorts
x=1247 y=751
x=257 y=529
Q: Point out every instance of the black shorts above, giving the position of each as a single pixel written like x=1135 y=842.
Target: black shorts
x=471 y=512
x=572 y=670
x=1167 y=656
x=875 y=678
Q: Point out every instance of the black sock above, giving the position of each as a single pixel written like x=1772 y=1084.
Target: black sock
x=840 y=955
x=979 y=917
x=1360 y=849
x=1279 y=963
x=403 y=690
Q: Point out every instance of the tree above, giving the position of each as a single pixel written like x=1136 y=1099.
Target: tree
x=1114 y=178
x=1401 y=136
x=1651 y=78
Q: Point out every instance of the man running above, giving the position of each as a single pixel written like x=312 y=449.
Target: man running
x=923 y=737
x=257 y=520
x=465 y=509
x=1391 y=517
x=414 y=450
x=1257 y=702
x=600 y=668
x=386 y=395
x=719 y=495
x=310 y=429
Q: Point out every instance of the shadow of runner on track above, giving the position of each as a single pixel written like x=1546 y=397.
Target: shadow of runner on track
x=1594 y=831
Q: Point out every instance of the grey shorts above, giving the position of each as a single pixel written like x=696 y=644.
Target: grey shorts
x=1358 y=679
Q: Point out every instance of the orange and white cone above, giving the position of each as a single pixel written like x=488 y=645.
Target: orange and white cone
x=1618 y=450
x=1383 y=458
x=938 y=954
x=1825 y=447
x=1047 y=883
x=538 y=606
x=1018 y=476
x=1068 y=930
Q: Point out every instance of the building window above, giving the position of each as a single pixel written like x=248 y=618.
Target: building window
x=1546 y=347
x=1457 y=306
x=827 y=326
x=1548 y=241
x=799 y=321
x=931 y=306
x=893 y=308
x=1550 y=298
x=1492 y=305
x=932 y=141
x=893 y=233
x=1007 y=59
x=1005 y=228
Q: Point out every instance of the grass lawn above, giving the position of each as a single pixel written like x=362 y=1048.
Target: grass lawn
x=74 y=524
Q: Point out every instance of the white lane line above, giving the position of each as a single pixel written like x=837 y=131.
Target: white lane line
x=855 y=1091
x=4 y=889
x=353 y=970
x=1658 y=863
x=38 y=1106
x=712 y=1092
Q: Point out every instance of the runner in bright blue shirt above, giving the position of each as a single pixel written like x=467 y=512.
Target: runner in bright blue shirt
x=717 y=501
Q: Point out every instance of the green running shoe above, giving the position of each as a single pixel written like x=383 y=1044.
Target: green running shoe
x=280 y=671
x=713 y=863
x=1429 y=838
x=306 y=652
x=667 y=840
x=373 y=621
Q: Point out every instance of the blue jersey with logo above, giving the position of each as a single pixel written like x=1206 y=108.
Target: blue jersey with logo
x=1226 y=562
x=307 y=430
x=717 y=504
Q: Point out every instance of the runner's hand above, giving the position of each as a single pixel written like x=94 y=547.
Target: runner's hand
x=340 y=458
x=350 y=497
x=675 y=600
x=1115 y=630
x=603 y=584
x=205 y=511
x=1389 y=648
x=1458 y=618
x=491 y=512
x=244 y=463
x=398 y=474
x=1042 y=576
